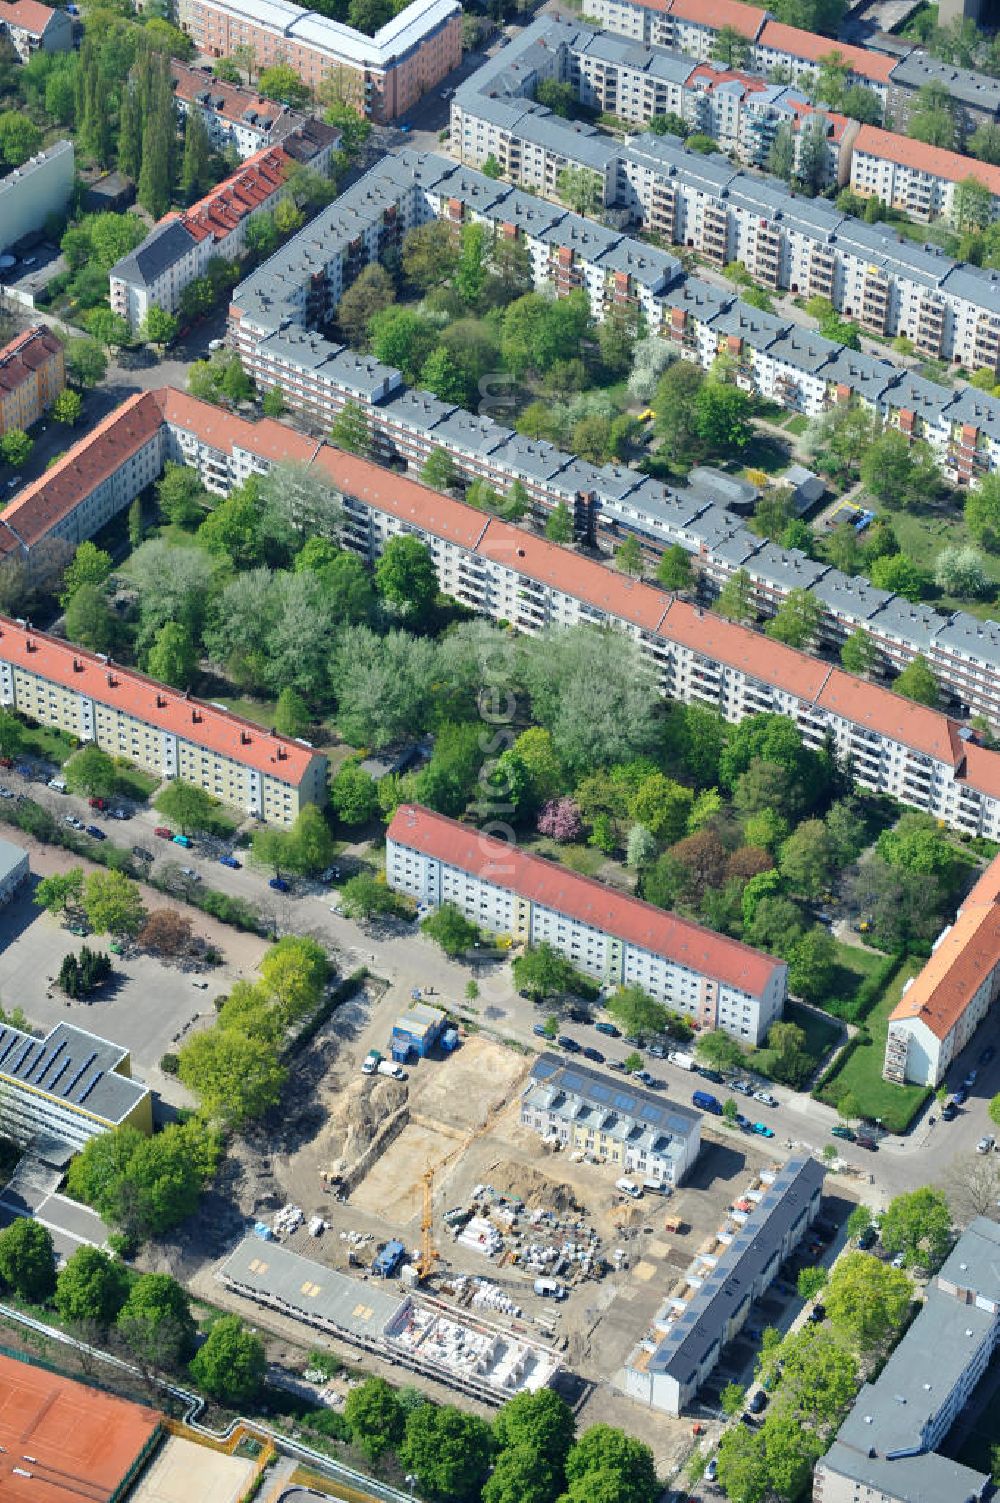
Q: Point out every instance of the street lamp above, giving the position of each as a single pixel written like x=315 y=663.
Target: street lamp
x=411 y=1481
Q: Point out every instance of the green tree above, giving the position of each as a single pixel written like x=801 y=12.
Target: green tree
x=797 y=619
x=61 y=891
x=971 y=205
x=541 y=1422
x=735 y=600
x=156 y=1322
x=406 y=577
x=375 y=1417
x=449 y=927
x=11 y=734
x=674 y=569
x=235 y=1078
x=442 y=375
x=961 y=572
x=91 y=1289
x=273 y=403
x=628 y=557
x=542 y=972
x=732 y=1398
x=89 y=619
x=867 y=1301
x=859 y=653
x=900 y=574
x=722 y=417
x=559 y=525
x=608 y=1466
x=90 y=565
x=896 y=471
x=719 y=1050
x=20 y=137
x=931 y=119
x=781 y=156
x=351 y=430
x=187 y=806
x=812 y=966
x=581 y=190
x=521 y=1475
x=448 y=1451
x=113 y=904
x=281 y=82
x=439 y=470
x=27 y=1259
x=68 y=407
x=364 y=897
x=173 y=657
x=294 y=973
x=730 y=46
x=860 y=1218
x=86 y=362
x=429 y=255
x=158 y=326
x=810 y=1282
x=195 y=167
x=354 y=795
x=636 y=1012
x=91 y=772
x=982 y=512
x=806 y=859
x=368 y=295
x=291 y=713
x=919 y=1226
x=232 y=1364
x=918 y=683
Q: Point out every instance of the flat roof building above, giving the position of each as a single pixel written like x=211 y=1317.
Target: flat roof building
x=887 y=1449
x=13 y=869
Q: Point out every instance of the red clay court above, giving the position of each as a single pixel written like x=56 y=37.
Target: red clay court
x=64 y=1442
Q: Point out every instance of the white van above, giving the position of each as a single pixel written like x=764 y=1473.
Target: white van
x=656 y=1187
x=629 y=1187
x=549 y=1289
x=678 y=1057
x=391 y=1068
x=57 y=784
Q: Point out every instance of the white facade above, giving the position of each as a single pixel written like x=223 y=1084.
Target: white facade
x=35 y=192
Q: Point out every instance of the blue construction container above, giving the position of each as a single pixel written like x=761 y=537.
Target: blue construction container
x=449 y=1040
x=388 y=1260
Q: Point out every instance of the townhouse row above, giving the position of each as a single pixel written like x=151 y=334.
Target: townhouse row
x=382 y=76
x=894 y=75
x=921 y=757
x=179 y=247
x=303 y=282
x=495 y=113
x=714 y=981
x=611 y=1122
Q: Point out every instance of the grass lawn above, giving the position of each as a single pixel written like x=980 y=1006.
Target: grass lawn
x=861 y=1073
x=797 y=425
x=586 y=859
x=822 y=1034
x=136 y=784
x=48 y=743
x=923 y=534
x=261 y=711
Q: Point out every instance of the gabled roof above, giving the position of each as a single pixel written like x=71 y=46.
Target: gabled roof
x=28 y=15
x=583 y=899
x=809 y=47
x=746 y=19
x=906 y=151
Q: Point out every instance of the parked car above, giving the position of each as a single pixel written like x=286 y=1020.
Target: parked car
x=617 y=1065
x=578 y=1014
x=643 y=1077
x=539 y=1030
x=97 y=833
x=817 y=1313
x=121 y=814
x=594 y=1054
x=5 y=792
x=609 y=1030
x=758 y=1403
x=229 y=861
x=279 y=884
x=656 y=1051
x=949 y=1112
x=711 y=1471
x=846 y=1133
x=899 y=1260
x=960 y=1097
x=72 y=821
x=715 y=1076
x=970 y=1080
x=762 y=1130
x=765 y=1098
x=743 y=1123
x=141 y=854
x=190 y=873
x=868 y=1239
x=163 y=832
x=97 y=803
x=987 y=1054
x=743 y=1087
x=864 y=1140
x=986 y=1144
x=184 y=841
x=570 y=1045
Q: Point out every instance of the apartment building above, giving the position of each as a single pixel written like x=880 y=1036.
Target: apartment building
x=14 y=870
x=684 y=24
x=611 y=1121
x=39 y=190
x=715 y=981
x=711 y=1301
x=382 y=76
x=180 y=246
x=32 y=374
x=887 y=1450
x=33 y=27
x=269 y=777
x=918 y=179
x=236 y=118
x=975 y=97
x=942 y=1007
x=58 y=1092
x=922 y=757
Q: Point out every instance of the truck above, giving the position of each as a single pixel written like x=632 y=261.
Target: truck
x=549 y=1289
x=707 y=1103
x=682 y=1060
x=628 y=1187
x=371 y=1062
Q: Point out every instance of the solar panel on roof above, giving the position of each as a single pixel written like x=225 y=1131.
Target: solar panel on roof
x=11 y=1044
x=85 y=1066
x=19 y=1062
x=87 y=1089
x=58 y=1075
x=544 y=1068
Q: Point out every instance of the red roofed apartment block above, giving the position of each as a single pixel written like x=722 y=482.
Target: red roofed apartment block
x=714 y=981
x=32 y=374
x=35 y=28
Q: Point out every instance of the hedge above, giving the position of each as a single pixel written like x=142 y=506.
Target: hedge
x=855 y=1009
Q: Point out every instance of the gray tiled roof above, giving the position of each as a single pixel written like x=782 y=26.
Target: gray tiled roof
x=162 y=248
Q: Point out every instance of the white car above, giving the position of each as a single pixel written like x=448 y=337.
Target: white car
x=72 y=821
x=987 y=1144
x=898 y=1260
x=765 y=1098
x=190 y=873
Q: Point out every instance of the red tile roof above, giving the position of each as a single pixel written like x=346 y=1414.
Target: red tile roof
x=62 y=1441
x=27 y=14
x=190 y=82
x=229 y=203
x=961 y=962
x=746 y=19
x=41 y=506
x=934 y=160
x=739 y=647
x=225 y=432
x=411 y=502
x=155 y=704
x=583 y=899
x=25 y=354
x=890 y=715
x=805 y=44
